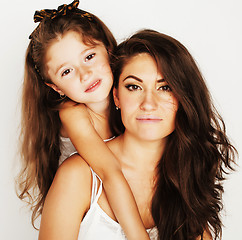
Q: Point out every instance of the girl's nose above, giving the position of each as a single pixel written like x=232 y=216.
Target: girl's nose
x=149 y=102
x=85 y=74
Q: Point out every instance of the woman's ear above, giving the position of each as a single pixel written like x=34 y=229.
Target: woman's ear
x=54 y=87
x=110 y=54
x=109 y=51
x=115 y=97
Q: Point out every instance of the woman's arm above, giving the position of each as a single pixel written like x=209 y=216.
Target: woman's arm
x=67 y=201
x=90 y=146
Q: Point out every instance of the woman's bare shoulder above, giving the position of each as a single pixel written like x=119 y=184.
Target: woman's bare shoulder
x=68 y=198
x=75 y=169
x=73 y=179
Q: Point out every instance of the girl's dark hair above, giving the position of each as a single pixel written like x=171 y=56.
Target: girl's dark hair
x=198 y=154
x=40 y=125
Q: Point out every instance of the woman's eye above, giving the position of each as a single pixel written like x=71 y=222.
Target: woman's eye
x=66 y=72
x=131 y=87
x=90 y=56
x=165 y=88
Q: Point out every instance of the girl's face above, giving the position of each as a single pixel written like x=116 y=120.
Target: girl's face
x=147 y=104
x=80 y=71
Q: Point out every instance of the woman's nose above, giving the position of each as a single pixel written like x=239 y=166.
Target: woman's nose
x=149 y=102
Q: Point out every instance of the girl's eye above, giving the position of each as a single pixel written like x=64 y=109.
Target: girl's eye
x=165 y=88
x=90 y=56
x=66 y=72
x=132 y=87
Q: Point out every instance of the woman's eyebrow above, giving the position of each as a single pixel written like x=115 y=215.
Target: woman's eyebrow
x=161 y=80
x=140 y=80
x=134 y=77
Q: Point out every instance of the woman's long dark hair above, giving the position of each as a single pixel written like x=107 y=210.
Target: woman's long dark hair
x=40 y=125
x=198 y=154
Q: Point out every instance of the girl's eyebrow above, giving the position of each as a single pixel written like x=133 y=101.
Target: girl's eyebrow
x=82 y=53
x=88 y=48
x=59 y=67
x=140 y=80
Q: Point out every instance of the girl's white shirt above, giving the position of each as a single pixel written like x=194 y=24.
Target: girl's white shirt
x=67 y=148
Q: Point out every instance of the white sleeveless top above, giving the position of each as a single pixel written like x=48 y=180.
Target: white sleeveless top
x=67 y=148
x=98 y=225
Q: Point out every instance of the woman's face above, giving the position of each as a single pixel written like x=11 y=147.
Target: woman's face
x=147 y=104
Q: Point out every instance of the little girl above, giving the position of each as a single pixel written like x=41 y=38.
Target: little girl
x=68 y=58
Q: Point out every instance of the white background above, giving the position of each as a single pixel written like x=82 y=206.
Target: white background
x=210 y=29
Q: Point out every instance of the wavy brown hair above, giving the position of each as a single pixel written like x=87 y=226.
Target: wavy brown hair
x=40 y=124
x=188 y=190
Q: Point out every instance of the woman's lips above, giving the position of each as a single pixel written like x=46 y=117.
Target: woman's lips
x=149 y=119
x=93 y=86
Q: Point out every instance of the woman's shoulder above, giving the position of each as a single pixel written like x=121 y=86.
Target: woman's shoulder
x=68 y=198
x=74 y=178
x=75 y=169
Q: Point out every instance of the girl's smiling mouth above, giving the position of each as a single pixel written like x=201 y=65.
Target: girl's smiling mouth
x=93 y=86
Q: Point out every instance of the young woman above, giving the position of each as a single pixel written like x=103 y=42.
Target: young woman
x=68 y=57
x=173 y=152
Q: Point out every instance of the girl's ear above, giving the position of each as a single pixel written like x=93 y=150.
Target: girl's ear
x=115 y=97
x=54 y=87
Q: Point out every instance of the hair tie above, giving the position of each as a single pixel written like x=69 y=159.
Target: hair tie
x=61 y=11
x=53 y=13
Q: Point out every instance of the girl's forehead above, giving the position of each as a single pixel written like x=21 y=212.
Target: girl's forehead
x=79 y=37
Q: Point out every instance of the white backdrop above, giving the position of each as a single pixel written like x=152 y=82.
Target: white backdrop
x=210 y=29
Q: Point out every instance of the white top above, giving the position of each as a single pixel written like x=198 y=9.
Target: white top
x=67 y=148
x=98 y=225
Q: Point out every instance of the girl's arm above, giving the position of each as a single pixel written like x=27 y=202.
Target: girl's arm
x=67 y=201
x=77 y=123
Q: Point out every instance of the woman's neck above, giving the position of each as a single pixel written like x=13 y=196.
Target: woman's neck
x=138 y=160
x=139 y=153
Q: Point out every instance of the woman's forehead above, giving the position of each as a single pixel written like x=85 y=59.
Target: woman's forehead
x=141 y=65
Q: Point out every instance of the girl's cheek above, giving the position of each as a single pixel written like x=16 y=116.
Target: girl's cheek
x=105 y=67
